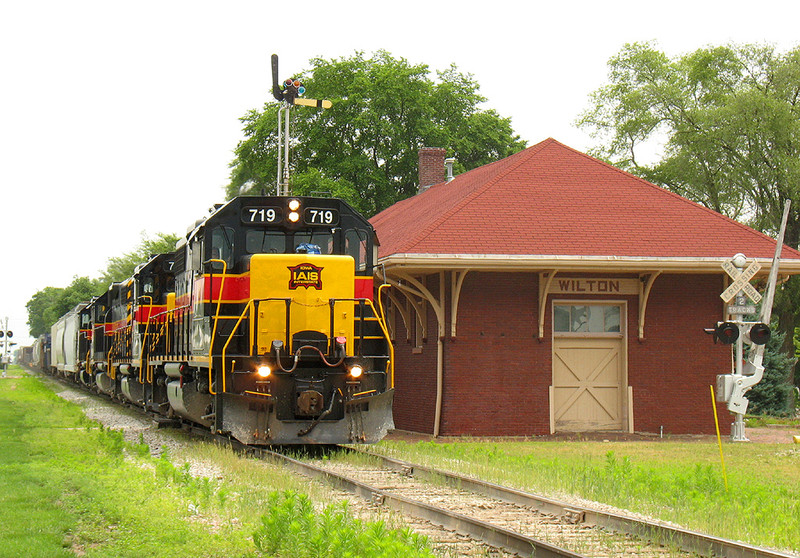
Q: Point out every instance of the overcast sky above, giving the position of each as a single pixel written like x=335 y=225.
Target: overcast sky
x=120 y=118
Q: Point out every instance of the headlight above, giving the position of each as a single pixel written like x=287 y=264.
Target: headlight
x=264 y=371
x=294 y=205
x=294 y=216
x=356 y=370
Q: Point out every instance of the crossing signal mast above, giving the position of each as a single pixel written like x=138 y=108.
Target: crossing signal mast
x=731 y=388
x=5 y=338
x=289 y=92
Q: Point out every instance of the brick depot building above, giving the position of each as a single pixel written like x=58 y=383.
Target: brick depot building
x=552 y=292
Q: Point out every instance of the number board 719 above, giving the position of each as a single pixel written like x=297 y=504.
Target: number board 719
x=261 y=215
x=321 y=216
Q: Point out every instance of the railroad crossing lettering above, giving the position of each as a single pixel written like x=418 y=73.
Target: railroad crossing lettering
x=741 y=281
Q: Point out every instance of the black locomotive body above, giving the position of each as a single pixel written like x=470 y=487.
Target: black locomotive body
x=261 y=325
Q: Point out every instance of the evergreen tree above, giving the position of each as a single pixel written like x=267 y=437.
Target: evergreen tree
x=773 y=394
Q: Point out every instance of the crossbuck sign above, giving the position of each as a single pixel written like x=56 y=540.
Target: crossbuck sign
x=741 y=281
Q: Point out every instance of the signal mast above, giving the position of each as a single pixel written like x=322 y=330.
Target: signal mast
x=288 y=92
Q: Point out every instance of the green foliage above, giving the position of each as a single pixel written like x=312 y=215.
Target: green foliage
x=364 y=148
x=50 y=303
x=69 y=490
x=772 y=395
x=291 y=528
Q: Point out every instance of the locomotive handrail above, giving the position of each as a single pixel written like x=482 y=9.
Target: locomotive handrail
x=144 y=364
x=170 y=313
x=381 y=322
x=250 y=304
x=216 y=319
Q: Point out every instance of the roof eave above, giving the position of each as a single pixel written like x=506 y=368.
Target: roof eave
x=588 y=264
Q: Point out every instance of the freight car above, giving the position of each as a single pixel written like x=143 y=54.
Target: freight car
x=262 y=325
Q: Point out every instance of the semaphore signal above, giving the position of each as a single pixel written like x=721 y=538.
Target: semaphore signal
x=289 y=92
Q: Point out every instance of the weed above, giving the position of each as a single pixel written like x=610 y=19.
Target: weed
x=290 y=527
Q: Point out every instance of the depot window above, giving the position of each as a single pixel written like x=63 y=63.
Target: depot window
x=586 y=318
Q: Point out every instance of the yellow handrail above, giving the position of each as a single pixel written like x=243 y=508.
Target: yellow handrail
x=214 y=330
x=230 y=338
x=382 y=323
x=144 y=364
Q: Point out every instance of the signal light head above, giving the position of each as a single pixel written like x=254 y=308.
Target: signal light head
x=759 y=334
x=727 y=332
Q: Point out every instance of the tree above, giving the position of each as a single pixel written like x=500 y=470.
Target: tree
x=773 y=394
x=364 y=148
x=47 y=305
x=729 y=119
x=37 y=306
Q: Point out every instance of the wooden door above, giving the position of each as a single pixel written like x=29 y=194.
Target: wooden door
x=588 y=384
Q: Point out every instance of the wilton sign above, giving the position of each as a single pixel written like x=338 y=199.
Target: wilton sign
x=603 y=286
x=305 y=275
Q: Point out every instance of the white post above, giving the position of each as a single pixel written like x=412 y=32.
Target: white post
x=5 y=347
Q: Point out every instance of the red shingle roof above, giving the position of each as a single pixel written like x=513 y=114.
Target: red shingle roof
x=553 y=200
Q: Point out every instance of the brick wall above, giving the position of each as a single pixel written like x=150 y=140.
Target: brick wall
x=497 y=372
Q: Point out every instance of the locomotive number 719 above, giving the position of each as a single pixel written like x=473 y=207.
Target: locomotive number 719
x=256 y=215
x=314 y=216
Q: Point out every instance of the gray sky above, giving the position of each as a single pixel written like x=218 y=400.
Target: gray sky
x=120 y=118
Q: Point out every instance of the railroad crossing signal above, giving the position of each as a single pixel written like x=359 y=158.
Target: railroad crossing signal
x=741 y=280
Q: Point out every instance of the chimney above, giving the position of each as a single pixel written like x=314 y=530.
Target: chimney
x=449 y=162
x=431 y=167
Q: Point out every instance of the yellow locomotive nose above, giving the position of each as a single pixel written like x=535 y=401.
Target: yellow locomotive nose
x=317 y=290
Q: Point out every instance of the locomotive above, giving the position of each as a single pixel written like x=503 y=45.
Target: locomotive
x=262 y=325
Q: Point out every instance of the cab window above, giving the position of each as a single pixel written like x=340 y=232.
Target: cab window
x=222 y=245
x=355 y=241
x=265 y=242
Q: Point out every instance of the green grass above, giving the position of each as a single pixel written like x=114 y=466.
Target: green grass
x=675 y=481
x=70 y=487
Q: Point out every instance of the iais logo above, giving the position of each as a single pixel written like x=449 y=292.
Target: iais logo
x=305 y=275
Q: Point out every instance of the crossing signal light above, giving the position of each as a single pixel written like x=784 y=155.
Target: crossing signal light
x=727 y=332
x=759 y=334
x=8 y=334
